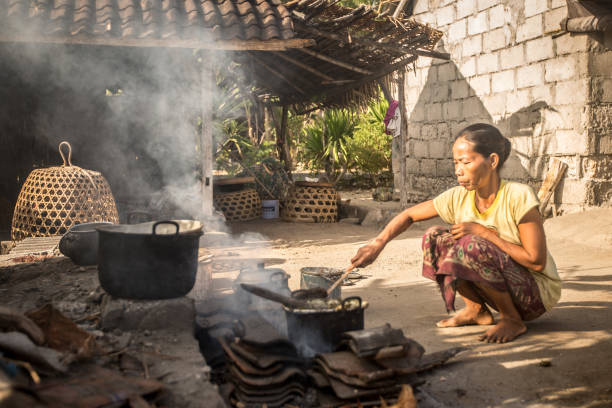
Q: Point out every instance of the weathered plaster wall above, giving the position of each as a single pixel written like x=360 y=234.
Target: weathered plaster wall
x=550 y=92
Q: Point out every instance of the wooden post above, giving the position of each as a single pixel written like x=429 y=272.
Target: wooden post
x=401 y=97
x=206 y=137
x=282 y=142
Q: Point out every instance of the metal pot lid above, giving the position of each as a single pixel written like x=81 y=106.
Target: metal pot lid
x=166 y=227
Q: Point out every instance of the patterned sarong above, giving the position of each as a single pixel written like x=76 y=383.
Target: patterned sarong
x=473 y=258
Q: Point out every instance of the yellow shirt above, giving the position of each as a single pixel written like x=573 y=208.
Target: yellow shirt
x=512 y=202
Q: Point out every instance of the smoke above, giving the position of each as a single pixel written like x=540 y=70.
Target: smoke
x=134 y=115
x=131 y=113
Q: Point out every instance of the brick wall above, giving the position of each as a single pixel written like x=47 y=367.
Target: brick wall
x=550 y=92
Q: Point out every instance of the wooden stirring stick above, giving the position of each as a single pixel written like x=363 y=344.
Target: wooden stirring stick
x=339 y=281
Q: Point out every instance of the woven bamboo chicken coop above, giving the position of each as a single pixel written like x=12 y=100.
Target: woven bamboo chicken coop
x=311 y=202
x=56 y=198
x=236 y=199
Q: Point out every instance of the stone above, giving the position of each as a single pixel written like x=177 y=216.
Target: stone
x=487 y=63
x=429 y=132
x=603 y=89
x=417 y=114
x=445 y=15
x=542 y=93
x=512 y=57
x=502 y=81
x=468 y=68
x=465 y=8
x=572 y=191
x=457 y=31
x=600 y=63
x=517 y=100
x=497 y=16
x=558 y=3
x=451 y=110
x=571 y=43
x=434 y=112
x=539 y=49
x=560 y=69
x=566 y=142
x=605 y=146
x=459 y=89
x=485 y=4
x=428 y=167
x=494 y=40
x=481 y=85
x=531 y=28
x=478 y=24
x=530 y=75
x=440 y=92
x=552 y=20
x=420 y=149
x=533 y=7
x=447 y=72
x=438 y=149
x=443 y=130
x=412 y=165
x=473 y=108
x=445 y=168
x=571 y=92
x=495 y=104
x=128 y=315
x=420 y=6
x=472 y=45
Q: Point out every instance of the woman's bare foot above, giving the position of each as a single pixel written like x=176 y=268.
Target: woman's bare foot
x=504 y=331
x=469 y=316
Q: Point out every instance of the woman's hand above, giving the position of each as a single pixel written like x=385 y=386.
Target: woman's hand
x=367 y=254
x=465 y=228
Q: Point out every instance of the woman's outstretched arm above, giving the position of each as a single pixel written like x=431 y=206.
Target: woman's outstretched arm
x=368 y=253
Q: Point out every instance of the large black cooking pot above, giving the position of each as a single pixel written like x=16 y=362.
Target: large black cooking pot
x=152 y=260
x=320 y=331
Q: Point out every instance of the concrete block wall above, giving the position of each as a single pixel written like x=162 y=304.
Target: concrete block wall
x=550 y=92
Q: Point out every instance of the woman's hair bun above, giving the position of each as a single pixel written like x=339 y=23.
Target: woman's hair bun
x=486 y=140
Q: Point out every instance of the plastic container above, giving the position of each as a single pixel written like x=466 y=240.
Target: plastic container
x=269 y=209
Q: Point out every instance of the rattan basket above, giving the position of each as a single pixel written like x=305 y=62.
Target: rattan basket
x=53 y=199
x=243 y=205
x=311 y=202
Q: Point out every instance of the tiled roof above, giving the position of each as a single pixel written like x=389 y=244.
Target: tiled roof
x=199 y=20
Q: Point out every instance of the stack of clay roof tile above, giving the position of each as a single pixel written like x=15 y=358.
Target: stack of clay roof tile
x=264 y=368
x=375 y=363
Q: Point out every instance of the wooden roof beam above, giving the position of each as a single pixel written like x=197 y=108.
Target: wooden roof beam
x=304 y=66
x=278 y=74
x=229 y=45
x=369 y=43
x=335 y=61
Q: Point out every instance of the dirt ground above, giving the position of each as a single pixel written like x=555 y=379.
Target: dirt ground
x=562 y=361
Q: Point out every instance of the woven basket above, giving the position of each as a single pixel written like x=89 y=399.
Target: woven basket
x=53 y=199
x=310 y=202
x=241 y=205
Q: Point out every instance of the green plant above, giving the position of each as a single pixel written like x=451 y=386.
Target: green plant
x=235 y=150
x=325 y=142
x=370 y=146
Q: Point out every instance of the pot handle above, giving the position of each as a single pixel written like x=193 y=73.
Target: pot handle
x=348 y=299
x=166 y=222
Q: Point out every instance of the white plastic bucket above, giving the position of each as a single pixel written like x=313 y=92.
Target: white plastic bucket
x=269 y=209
